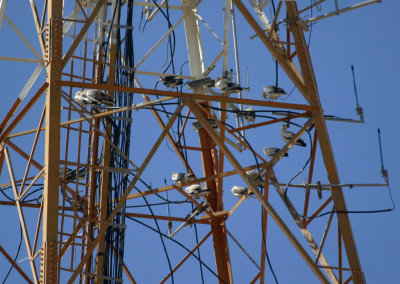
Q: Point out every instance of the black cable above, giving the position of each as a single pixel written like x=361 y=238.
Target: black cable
x=264 y=241
x=198 y=249
x=356 y=211
x=311 y=25
x=276 y=61
x=161 y=235
x=16 y=255
x=181 y=245
x=171 y=42
x=305 y=165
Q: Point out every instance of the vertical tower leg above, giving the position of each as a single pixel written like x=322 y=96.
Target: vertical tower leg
x=209 y=154
x=52 y=144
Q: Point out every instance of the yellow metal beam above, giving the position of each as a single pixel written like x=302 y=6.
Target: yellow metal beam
x=49 y=268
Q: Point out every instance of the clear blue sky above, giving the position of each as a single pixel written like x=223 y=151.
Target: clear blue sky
x=366 y=38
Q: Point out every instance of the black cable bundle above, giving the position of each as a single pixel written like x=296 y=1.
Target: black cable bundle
x=120 y=136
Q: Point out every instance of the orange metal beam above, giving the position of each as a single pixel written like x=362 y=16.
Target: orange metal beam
x=311 y=93
x=210 y=160
x=199 y=97
x=23 y=112
x=200 y=116
x=15 y=265
x=91 y=246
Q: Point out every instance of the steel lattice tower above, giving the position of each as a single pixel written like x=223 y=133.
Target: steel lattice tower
x=75 y=174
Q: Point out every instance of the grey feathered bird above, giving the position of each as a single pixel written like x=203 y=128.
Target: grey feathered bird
x=182 y=177
x=171 y=81
x=93 y=97
x=225 y=86
x=272 y=151
x=254 y=178
x=272 y=92
x=287 y=136
x=196 y=190
x=240 y=191
x=249 y=114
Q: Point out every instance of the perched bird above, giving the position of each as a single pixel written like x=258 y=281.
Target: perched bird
x=171 y=81
x=227 y=86
x=70 y=174
x=254 y=178
x=287 y=136
x=93 y=97
x=196 y=190
x=182 y=177
x=272 y=151
x=249 y=114
x=240 y=191
x=272 y=92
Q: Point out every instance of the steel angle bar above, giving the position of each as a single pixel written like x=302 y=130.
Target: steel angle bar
x=158 y=43
x=38 y=27
x=161 y=5
x=341 y=11
x=187 y=256
x=23 y=38
x=23 y=112
x=299 y=222
x=169 y=136
x=191 y=103
x=209 y=28
x=82 y=33
x=311 y=93
x=91 y=246
x=321 y=245
x=21 y=216
x=280 y=56
x=15 y=265
x=73 y=15
x=196 y=96
x=19 y=59
x=3 y=5
x=243 y=250
x=32 y=79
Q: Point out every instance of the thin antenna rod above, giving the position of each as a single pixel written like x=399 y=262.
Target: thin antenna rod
x=354 y=84
x=358 y=108
x=383 y=170
x=380 y=148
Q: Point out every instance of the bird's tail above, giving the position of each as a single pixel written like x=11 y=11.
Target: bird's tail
x=301 y=143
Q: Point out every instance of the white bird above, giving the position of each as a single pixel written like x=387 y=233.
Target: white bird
x=94 y=97
x=272 y=151
x=255 y=178
x=171 y=81
x=240 y=191
x=250 y=115
x=287 y=136
x=196 y=190
x=272 y=92
x=227 y=86
x=182 y=177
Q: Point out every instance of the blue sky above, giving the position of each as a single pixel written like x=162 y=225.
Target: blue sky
x=365 y=38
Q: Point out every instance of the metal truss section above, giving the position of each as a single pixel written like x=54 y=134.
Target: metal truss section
x=90 y=180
